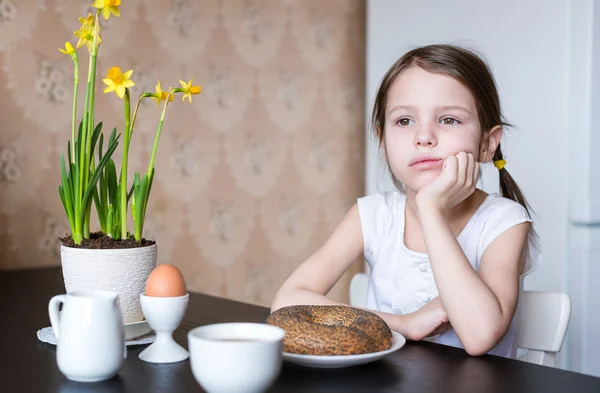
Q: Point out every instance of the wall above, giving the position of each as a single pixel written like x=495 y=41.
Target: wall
x=528 y=53
x=251 y=177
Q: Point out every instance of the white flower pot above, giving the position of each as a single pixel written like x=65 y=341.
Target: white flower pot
x=124 y=271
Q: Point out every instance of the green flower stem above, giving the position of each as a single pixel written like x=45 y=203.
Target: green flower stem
x=143 y=186
x=90 y=125
x=79 y=210
x=74 y=193
x=76 y=84
x=124 y=167
x=158 y=132
x=135 y=111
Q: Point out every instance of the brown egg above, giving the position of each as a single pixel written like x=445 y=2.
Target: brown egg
x=165 y=281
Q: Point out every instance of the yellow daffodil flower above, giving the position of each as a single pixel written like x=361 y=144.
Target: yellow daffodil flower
x=89 y=20
x=160 y=95
x=189 y=90
x=108 y=7
x=116 y=81
x=69 y=50
x=86 y=35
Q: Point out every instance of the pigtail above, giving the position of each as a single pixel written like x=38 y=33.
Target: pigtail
x=508 y=186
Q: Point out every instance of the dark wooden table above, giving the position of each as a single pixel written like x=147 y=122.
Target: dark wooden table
x=28 y=365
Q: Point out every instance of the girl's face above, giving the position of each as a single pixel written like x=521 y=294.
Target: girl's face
x=428 y=118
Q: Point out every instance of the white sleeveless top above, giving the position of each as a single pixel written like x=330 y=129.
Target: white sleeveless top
x=401 y=280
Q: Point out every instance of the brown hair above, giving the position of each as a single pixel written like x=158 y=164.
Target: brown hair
x=470 y=70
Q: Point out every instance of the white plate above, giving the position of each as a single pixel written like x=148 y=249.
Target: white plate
x=323 y=361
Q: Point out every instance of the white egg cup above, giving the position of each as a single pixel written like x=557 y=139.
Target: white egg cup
x=164 y=314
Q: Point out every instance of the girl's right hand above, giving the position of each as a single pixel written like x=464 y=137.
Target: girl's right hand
x=456 y=182
x=429 y=320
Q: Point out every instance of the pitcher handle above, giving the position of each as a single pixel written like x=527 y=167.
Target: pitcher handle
x=53 y=306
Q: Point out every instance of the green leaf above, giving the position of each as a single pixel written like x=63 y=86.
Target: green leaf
x=78 y=149
x=69 y=151
x=147 y=198
x=76 y=153
x=112 y=181
x=92 y=183
x=101 y=195
x=65 y=179
x=140 y=195
x=136 y=183
x=113 y=136
x=100 y=146
x=71 y=186
x=136 y=197
x=64 y=201
x=116 y=216
x=65 y=193
x=99 y=210
x=67 y=208
x=150 y=184
x=95 y=136
x=78 y=141
x=130 y=193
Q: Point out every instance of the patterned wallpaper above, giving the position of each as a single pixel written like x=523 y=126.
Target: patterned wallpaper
x=251 y=177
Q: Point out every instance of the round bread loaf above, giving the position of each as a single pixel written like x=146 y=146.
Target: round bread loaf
x=331 y=330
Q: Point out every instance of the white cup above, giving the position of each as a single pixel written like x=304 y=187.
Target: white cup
x=240 y=357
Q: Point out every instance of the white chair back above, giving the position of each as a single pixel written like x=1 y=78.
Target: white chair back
x=544 y=321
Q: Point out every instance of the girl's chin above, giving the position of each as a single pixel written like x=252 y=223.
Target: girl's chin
x=422 y=181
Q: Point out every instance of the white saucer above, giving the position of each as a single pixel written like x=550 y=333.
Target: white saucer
x=136 y=329
x=338 y=361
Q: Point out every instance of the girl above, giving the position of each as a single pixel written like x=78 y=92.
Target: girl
x=446 y=259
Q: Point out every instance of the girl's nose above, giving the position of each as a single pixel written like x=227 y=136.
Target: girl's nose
x=425 y=137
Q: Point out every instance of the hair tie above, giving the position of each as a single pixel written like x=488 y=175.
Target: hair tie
x=500 y=164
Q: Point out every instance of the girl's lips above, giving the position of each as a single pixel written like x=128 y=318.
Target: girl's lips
x=426 y=163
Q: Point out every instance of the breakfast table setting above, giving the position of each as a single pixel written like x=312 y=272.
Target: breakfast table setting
x=113 y=317
x=201 y=343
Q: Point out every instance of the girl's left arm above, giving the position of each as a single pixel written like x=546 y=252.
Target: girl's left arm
x=480 y=305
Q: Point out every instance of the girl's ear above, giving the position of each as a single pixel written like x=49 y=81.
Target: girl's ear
x=489 y=144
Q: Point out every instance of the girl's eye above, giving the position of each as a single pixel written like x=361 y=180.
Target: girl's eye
x=450 y=121
x=403 y=122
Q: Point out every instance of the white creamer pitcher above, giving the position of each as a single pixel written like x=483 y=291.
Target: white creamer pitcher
x=91 y=335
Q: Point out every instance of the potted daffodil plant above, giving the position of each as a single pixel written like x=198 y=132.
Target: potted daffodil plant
x=115 y=257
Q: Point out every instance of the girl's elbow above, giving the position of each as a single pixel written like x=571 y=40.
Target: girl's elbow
x=477 y=349
x=483 y=341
